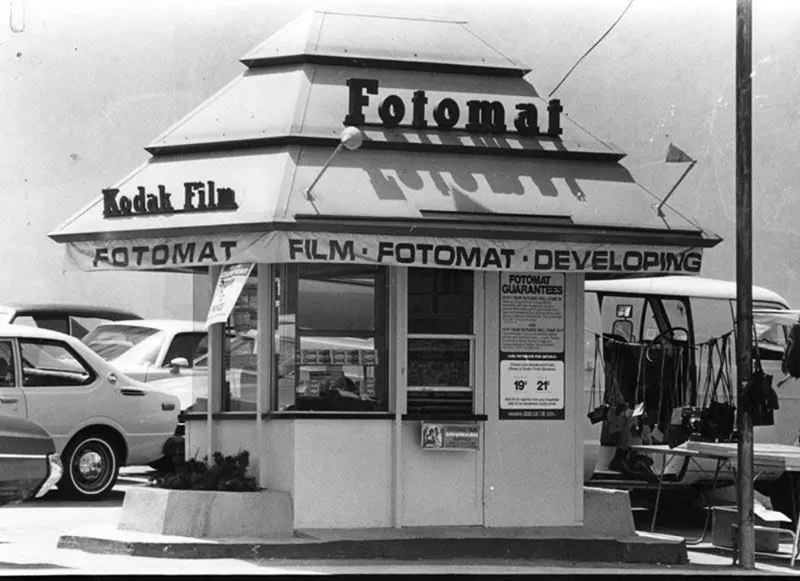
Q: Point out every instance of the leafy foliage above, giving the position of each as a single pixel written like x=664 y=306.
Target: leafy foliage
x=227 y=473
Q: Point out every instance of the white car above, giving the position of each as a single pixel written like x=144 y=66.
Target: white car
x=149 y=350
x=99 y=418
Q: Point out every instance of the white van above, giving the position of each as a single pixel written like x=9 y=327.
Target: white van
x=625 y=316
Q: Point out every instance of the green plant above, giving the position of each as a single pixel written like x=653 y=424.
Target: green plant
x=223 y=473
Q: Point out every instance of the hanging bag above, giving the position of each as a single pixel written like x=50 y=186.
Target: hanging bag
x=760 y=395
x=597 y=413
x=719 y=416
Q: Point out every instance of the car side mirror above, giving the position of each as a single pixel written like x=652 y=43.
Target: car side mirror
x=177 y=363
x=112 y=378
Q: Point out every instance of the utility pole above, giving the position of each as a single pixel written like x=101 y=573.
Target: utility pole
x=744 y=278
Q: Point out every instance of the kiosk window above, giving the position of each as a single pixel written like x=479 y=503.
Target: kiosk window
x=331 y=345
x=440 y=341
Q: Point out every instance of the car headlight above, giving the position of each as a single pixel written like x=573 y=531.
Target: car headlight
x=56 y=471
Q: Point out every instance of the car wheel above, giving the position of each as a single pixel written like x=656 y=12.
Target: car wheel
x=91 y=467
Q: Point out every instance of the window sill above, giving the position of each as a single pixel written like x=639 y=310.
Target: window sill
x=291 y=415
x=445 y=417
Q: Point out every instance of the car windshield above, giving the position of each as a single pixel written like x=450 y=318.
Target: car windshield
x=112 y=341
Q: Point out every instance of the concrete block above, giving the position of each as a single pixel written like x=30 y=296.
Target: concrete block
x=607 y=513
x=207 y=514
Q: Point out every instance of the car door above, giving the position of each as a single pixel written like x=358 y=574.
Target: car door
x=190 y=346
x=61 y=390
x=12 y=399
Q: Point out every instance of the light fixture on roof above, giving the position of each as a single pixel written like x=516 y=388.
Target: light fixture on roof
x=351 y=139
x=676 y=155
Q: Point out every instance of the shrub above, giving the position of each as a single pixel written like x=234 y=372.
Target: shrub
x=223 y=473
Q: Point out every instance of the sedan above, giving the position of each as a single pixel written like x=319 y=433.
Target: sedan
x=149 y=350
x=29 y=465
x=99 y=418
x=75 y=320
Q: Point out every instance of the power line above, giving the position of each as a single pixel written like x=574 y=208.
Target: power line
x=599 y=40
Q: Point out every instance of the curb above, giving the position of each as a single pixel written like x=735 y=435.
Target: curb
x=575 y=550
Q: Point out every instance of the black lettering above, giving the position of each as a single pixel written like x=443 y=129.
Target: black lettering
x=152 y=204
x=527 y=121
x=206 y=253
x=692 y=262
x=140 y=201
x=650 y=260
x=110 y=207
x=385 y=249
x=562 y=259
x=471 y=259
x=139 y=252
x=419 y=101
x=486 y=116
x=612 y=263
x=425 y=249
x=492 y=258
x=212 y=199
x=632 y=261
x=392 y=110
x=345 y=251
x=295 y=248
x=446 y=114
x=183 y=253
x=448 y=259
x=163 y=249
x=508 y=254
x=314 y=254
x=164 y=200
x=119 y=257
x=226 y=199
x=674 y=262
x=124 y=205
x=227 y=245
x=100 y=255
x=398 y=253
x=542 y=260
x=554 y=110
x=581 y=264
x=600 y=260
x=358 y=100
x=188 y=194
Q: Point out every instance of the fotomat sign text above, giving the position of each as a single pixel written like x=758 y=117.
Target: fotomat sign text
x=480 y=116
x=197 y=197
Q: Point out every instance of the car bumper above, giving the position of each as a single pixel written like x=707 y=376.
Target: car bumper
x=56 y=471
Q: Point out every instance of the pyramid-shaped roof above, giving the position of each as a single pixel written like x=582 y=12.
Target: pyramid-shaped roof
x=386 y=42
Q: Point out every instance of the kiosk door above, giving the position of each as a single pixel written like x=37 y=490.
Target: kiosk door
x=442 y=448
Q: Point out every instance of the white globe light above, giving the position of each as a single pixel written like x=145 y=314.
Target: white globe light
x=352 y=138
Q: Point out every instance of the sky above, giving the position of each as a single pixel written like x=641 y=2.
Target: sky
x=88 y=83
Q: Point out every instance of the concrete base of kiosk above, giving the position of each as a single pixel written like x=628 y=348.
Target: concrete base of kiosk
x=608 y=535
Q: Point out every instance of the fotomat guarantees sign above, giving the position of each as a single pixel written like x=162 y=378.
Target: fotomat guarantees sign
x=305 y=247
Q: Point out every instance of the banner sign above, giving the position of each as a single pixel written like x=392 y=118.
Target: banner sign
x=324 y=248
x=229 y=286
x=450 y=436
x=532 y=346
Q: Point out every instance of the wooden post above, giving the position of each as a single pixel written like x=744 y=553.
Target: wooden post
x=744 y=278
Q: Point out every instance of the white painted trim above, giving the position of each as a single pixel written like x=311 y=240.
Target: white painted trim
x=398 y=333
x=25 y=456
x=214 y=376
x=265 y=301
x=576 y=281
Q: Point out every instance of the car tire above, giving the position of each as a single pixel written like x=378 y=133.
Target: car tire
x=91 y=467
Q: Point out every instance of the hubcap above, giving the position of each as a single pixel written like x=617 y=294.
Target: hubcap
x=90 y=465
x=93 y=466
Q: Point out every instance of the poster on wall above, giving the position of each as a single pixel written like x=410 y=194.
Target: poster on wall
x=229 y=286
x=450 y=436
x=532 y=346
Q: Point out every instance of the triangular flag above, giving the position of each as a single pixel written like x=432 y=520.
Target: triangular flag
x=677 y=155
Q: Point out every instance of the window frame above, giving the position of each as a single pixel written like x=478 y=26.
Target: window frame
x=93 y=375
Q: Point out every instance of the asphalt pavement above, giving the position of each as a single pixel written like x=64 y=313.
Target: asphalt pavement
x=29 y=534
